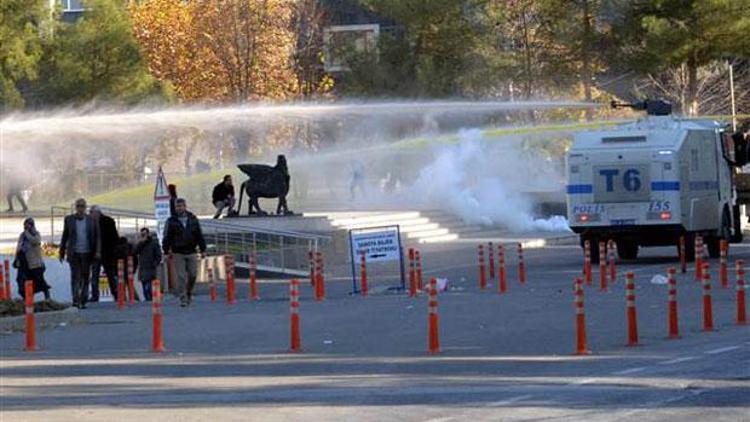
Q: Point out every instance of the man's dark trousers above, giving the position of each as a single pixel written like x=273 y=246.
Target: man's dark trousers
x=80 y=268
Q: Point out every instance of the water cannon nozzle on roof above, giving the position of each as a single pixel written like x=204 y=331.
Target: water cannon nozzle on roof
x=651 y=107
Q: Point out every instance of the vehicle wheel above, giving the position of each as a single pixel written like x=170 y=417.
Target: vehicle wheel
x=594 y=248
x=712 y=243
x=725 y=233
x=689 y=247
x=737 y=225
x=627 y=250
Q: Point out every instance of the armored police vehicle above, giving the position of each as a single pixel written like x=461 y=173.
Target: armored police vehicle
x=650 y=182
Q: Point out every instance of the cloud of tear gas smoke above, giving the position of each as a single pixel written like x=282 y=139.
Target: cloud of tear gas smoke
x=483 y=183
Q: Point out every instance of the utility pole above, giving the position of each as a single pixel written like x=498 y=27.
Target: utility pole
x=731 y=93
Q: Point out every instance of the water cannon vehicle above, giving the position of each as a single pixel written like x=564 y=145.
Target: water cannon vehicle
x=655 y=180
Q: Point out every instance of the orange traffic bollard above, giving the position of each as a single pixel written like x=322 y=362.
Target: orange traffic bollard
x=672 y=321
x=120 y=284
x=521 y=265
x=254 y=277
x=30 y=325
x=364 y=289
x=612 y=256
x=295 y=344
x=212 y=294
x=2 y=287
x=6 y=271
x=698 y=258
x=491 y=256
x=632 y=317
x=581 y=344
x=708 y=313
x=502 y=285
x=683 y=255
x=157 y=340
x=229 y=275
x=320 y=282
x=311 y=257
x=412 y=274
x=587 y=262
x=741 y=309
x=482 y=269
x=603 y=267
x=418 y=263
x=723 y=270
x=433 y=341
x=131 y=284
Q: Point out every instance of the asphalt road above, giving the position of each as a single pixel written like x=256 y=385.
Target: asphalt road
x=504 y=357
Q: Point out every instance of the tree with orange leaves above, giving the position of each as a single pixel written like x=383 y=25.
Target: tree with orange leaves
x=219 y=50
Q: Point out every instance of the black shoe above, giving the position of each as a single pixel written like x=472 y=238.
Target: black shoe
x=183 y=304
x=82 y=306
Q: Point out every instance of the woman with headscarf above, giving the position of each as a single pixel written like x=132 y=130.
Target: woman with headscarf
x=29 y=260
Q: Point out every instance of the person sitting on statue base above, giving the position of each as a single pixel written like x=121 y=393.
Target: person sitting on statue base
x=223 y=197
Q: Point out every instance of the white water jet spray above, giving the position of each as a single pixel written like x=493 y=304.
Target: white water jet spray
x=103 y=124
x=478 y=180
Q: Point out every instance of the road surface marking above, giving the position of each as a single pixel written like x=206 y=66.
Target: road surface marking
x=508 y=401
x=583 y=381
x=678 y=360
x=630 y=371
x=721 y=350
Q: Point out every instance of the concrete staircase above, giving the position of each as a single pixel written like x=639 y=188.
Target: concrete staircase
x=419 y=226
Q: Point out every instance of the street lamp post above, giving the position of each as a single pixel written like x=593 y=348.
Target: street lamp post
x=731 y=94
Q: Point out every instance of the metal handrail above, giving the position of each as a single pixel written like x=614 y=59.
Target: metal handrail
x=284 y=250
x=222 y=225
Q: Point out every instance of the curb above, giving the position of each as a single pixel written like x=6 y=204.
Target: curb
x=564 y=240
x=43 y=320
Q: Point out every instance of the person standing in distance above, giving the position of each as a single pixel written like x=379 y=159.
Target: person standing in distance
x=149 y=257
x=182 y=235
x=223 y=196
x=81 y=244
x=108 y=239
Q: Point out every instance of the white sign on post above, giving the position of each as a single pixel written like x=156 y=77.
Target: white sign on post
x=379 y=244
x=162 y=211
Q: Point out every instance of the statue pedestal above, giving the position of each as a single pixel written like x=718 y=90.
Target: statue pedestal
x=295 y=223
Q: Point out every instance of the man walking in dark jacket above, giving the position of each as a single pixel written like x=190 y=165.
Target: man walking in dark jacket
x=108 y=237
x=182 y=235
x=81 y=244
x=149 y=257
x=223 y=196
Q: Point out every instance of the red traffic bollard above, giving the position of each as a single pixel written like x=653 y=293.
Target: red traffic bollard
x=254 y=277
x=295 y=344
x=581 y=343
x=363 y=272
x=30 y=324
x=157 y=341
x=631 y=312
x=672 y=321
x=433 y=341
